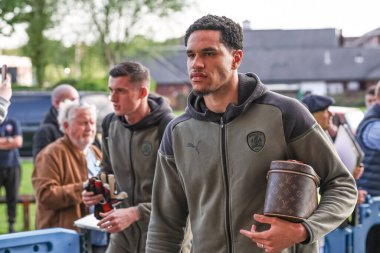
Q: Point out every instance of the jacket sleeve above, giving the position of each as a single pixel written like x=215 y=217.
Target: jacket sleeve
x=46 y=180
x=166 y=229
x=145 y=210
x=337 y=189
x=106 y=163
x=3 y=108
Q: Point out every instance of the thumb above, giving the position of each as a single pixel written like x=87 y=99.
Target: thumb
x=264 y=219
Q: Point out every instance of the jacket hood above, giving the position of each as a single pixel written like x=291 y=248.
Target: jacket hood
x=51 y=117
x=250 y=88
x=159 y=109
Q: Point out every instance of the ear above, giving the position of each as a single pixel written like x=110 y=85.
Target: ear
x=144 y=92
x=237 y=58
x=56 y=103
x=65 y=125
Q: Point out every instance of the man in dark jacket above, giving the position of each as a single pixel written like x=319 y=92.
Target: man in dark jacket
x=131 y=137
x=214 y=159
x=10 y=166
x=368 y=136
x=49 y=130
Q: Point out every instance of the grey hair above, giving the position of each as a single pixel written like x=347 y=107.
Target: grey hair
x=68 y=110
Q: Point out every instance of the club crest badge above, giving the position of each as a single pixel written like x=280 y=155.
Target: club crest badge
x=256 y=140
x=146 y=148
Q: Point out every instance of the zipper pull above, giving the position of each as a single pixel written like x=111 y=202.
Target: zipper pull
x=221 y=122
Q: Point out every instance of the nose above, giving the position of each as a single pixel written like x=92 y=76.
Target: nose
x=112 y=96
x=196 y=62
x=90 y=126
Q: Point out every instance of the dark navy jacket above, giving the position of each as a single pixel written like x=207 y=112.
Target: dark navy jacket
x=370 y=181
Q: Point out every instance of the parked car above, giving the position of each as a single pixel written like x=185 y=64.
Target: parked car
x=30 y=107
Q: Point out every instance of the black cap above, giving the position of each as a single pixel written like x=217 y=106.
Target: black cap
x=316 y=103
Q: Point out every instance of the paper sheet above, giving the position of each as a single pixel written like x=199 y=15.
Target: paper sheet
x=87 y=222
x=348 y=149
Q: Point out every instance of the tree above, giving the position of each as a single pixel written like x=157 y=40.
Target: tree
x=115 y=21
x=113 y=24
x=37 y=15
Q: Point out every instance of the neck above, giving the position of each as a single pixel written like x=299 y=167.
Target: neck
x=141 y=113
x=219 y=100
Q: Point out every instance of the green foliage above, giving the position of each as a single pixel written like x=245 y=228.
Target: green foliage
x=37 y=15
x=86 y=84
x=88 y=64
x=12 y=13
x=126 y=17
x=350 y=99
x=25 y=188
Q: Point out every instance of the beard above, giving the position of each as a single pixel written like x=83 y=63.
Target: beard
x=204 y=91
x=201 y=93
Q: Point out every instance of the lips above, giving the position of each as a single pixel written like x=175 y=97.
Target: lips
x=197 y=76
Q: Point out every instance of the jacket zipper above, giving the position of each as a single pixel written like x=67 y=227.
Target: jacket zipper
x=227 y=187
x=133 y=188
x=132 y=170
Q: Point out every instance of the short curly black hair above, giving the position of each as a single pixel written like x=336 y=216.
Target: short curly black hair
x=231 y=32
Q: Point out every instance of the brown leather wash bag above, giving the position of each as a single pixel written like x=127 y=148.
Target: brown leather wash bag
x=291 y=192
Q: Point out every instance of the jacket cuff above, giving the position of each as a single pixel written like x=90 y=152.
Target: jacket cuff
x=310 y=238
x=144 y=212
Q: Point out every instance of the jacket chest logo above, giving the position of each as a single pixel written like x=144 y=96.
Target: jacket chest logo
x=256 y=140
x=146 y=148
x=194 y=146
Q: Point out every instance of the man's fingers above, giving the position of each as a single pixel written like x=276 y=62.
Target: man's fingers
x=246 y=233
x=264 y=219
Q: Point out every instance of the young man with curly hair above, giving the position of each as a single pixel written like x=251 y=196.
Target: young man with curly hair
x=214 y=159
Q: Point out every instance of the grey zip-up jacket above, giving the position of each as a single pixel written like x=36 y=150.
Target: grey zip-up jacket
x=211 y=168
x=130 y=152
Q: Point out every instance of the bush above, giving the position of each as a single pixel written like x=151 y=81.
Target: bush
x=86 y=84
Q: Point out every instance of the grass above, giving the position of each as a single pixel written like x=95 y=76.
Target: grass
x=25 y=188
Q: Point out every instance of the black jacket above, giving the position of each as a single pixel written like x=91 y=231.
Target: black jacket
x=47 y=133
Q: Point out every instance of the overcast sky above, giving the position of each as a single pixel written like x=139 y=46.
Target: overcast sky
x=352 y=16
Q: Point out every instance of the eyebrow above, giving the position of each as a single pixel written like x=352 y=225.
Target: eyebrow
x=207 y=49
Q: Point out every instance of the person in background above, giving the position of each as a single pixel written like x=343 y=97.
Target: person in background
x=64 y=166
x=213 y=160
x=10 y=165
x=368 y=136
x=370 y=98
x=131 y=137
x=49 y=131
x=319 y=107
x=5 y=96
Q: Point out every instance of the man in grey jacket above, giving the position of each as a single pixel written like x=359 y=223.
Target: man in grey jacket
x=213 y=159
x=131 y=137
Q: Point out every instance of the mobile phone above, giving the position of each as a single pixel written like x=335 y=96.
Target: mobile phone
x=4 y=71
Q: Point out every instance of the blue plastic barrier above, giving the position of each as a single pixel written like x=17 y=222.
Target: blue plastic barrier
x=339 y=241
x=352 y=239
x=55 y=240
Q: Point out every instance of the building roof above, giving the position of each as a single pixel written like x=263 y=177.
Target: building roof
x=284 y=56
x=287 y=39
x=169 y=67
x=297 y=65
